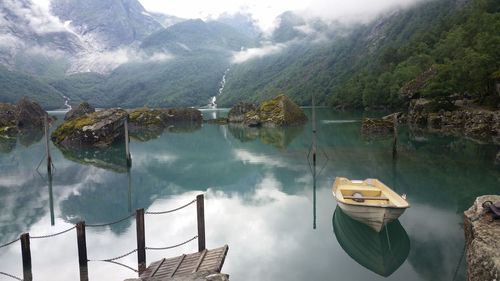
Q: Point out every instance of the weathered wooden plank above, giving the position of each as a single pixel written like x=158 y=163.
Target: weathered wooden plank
x=185 y=265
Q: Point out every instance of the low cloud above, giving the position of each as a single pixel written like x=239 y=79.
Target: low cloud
x=252 y=53
x=36 y=14
x=107 y=61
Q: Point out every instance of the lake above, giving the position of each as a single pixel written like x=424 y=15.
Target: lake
x=260 y=199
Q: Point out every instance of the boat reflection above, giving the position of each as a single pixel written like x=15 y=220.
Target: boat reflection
x=382 y=253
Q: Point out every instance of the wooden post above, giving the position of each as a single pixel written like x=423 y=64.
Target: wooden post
x=26 y=255
x=47 y=147
x=141 y=241
x=82 y=251
x=127 y=140
x=200 y=210
x=395 y=137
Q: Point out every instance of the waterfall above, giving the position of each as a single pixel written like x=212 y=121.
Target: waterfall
x=212 y=102
x=66 y=102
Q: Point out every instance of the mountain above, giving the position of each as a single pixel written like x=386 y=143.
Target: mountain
x=16 y=85
x=241 y=22
x=368 y=67
x=108 y=23
x=192 y=58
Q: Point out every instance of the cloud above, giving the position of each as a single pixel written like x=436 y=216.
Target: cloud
x=252 y=53
x=10 y=41
x=36 y=14
x=107 y=61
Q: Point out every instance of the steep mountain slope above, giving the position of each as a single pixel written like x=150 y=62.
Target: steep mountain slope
x=369 y=67
x=16 y=85
x=110 y=23
x=199 y=52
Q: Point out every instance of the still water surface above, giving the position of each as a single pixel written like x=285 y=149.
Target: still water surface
x=259 y=200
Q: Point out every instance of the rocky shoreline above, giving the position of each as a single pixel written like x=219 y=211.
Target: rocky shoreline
x=482 y=246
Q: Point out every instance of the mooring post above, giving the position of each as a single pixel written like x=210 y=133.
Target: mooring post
x=82 y=251
x=200 y=210
x=26 y=255
x=395 y=137
x=47 y=147
x=127 y=140
x=141 y=241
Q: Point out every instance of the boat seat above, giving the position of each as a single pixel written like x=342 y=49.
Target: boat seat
x=349 y=190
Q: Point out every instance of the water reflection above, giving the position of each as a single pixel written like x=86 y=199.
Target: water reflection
x=277 y=137
x=258 y=201
x=111 y=158
x=381 y=252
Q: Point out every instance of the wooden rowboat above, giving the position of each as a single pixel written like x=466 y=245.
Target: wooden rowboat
x=369 y=201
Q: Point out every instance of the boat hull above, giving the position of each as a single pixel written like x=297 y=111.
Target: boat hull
x=373 y=216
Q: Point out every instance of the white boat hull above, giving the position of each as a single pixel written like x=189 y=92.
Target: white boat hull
x=373 y=216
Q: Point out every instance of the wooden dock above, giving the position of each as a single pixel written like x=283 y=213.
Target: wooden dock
x=204 y=262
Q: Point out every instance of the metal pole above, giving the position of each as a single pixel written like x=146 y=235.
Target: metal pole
x=127 y=148
x=141 y=241
x=82 y=251
x=51 y=200
x=26 y=256
x=395 y=137
x=47 y=147
x=200 y=211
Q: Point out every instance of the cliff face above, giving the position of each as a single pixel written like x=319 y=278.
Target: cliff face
x=482 y=243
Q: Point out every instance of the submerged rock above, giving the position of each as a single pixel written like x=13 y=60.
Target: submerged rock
x=237 y=112
x=377 y=126
x=80 y=110
x=100 y=129
x=482 y=243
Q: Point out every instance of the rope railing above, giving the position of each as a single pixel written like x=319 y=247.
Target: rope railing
x=11 y=276
x=118 y=257
x=173 y=246
x=170 y=211
x=10 y=243
x=82 y=248
x=111 y=223
x=54 y=234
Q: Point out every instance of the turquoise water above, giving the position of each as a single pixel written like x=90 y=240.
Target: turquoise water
x=259 y=200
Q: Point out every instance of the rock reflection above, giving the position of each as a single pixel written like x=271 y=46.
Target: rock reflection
x=277 y=137
x=111 y=158
x=383 y=252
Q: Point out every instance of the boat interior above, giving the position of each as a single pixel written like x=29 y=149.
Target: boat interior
x=370 y=191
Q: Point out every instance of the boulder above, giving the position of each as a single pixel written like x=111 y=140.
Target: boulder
x=80 y=110
x=237 y=113
x=481 y=241
x=276 y=112
x=98 y=129
x=29 y=115
x=377 y=126
x=479 y=124
x=161 y=118
x=219 y=121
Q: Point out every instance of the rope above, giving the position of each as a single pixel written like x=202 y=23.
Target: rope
x=170 y=211
x=170 y=247
x=11 y=276
x=118 y=257
x=117 y=263
x=459 y=263
x=111 y=223
x=10 y=243
x=52 y=235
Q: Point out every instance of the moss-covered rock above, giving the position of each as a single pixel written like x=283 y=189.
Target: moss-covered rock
x=100 y=129
x=377 y=126
x=237 y=113
x=281 y=111
x=276 y=112
x=80 y=110
x=29 y=115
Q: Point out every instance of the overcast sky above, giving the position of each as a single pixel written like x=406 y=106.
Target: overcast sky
x=265 y=11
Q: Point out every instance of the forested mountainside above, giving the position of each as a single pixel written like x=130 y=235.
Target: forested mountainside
x=458 y=40
x=159 y=60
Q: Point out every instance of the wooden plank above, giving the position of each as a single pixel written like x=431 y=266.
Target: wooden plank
x=366 y=198
x=181 y=258
x=185 y=265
